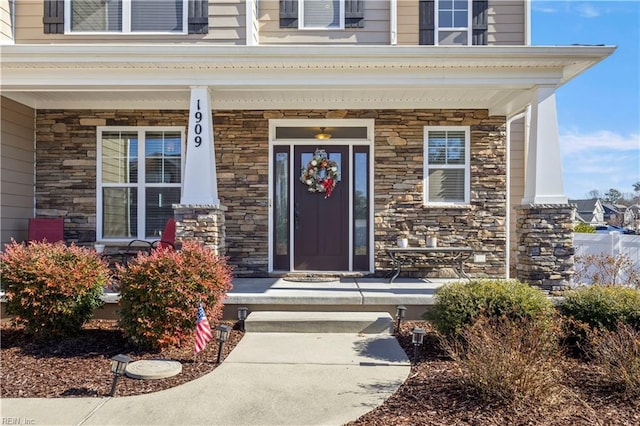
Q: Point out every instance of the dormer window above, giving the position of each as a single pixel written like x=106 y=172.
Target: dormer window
x=126 y=16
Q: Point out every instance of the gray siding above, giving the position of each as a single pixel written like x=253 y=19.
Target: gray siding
x=375 y=31
x=16 y=159
x=506 y=22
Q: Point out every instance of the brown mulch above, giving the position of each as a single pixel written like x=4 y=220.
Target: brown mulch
x=81 y=366
x=432 y=395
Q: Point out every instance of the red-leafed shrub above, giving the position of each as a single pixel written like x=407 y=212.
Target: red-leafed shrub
x=160 y=294
x=52 y=289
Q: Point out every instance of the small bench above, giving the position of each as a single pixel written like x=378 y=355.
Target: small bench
x=453 y=257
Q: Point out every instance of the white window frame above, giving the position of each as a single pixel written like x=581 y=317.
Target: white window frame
x=466 y=166
x=301 y=25
x=438 y=28
x=141 y=185
x=126 y=22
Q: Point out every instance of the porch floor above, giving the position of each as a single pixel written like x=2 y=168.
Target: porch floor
x=352 y=294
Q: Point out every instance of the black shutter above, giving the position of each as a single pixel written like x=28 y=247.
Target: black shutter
x=53 y=19
x=427 y=22
x=288 y=13
x=354 y=14
x=198 y=20
x=479 y=27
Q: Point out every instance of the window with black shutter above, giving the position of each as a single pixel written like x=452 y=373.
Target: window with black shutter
x=322 y=14
x=453 y=22
x=134 y=16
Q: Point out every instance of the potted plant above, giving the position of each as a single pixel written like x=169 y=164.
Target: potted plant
x=403 y=236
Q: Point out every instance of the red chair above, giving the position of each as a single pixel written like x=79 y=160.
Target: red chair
x=168 y=239
x=49 y=229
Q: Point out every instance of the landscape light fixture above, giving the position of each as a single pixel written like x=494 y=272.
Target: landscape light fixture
x=401 y=311
x=417 y=338
x=118 y=366
x=242 y=315
x=323 y=135
x=222 y=334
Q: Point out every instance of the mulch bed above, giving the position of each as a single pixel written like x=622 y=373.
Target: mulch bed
x=432 y=395
x=81 y=366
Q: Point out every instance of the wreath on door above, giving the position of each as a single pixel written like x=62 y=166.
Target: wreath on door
x=321 y=174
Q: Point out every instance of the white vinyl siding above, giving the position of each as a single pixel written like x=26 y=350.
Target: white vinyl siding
x=446 y=165
x=139 y=175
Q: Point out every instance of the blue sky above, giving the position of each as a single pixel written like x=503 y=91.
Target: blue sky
x=598 y=111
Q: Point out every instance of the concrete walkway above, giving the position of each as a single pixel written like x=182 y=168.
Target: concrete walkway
x=268 y=379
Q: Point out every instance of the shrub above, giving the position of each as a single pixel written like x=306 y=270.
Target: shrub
x=160 y=293
x=584 y=228
x=513 y=361
x=618 y=352
x=607 y=270
x=52 y=289
x=459 y=304
x=603 y=306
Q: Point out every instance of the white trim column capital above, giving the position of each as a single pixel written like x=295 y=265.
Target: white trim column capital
x=543 y=181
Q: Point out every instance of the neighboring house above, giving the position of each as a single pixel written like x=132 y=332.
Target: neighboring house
x=589 y=211
x=632 y=217
x=432 y=110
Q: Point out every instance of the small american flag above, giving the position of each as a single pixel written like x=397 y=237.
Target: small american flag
x=203 y=330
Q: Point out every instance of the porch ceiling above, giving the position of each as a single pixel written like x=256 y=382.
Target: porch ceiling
x=288 y=77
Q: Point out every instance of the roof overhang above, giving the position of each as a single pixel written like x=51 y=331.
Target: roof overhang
x=498 y=78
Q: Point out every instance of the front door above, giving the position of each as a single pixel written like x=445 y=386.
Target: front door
x=320 y=223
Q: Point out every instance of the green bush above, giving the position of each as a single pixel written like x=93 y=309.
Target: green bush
x=52 y=289
x=459 y=304
x=160 y=294
x=584 y=228
x=603 y=306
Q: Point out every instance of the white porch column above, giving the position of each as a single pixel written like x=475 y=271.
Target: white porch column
x=200 y=185
x=543 y=183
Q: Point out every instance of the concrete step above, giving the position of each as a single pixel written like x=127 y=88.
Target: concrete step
x=319 y=322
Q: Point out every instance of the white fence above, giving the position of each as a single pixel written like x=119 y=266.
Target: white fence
x=613 y=244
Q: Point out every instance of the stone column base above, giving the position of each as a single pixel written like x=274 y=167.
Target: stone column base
x=545 y=245
x=202 y=223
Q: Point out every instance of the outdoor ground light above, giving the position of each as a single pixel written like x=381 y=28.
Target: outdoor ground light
x=242 y=315
x=401 y=310
x=222 y=334
x=118 y=366
x=417 y=338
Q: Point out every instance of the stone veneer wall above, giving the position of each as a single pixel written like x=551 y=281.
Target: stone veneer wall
x=66 y=172
x=545 y=245
x=202 y=223
x=66 y=161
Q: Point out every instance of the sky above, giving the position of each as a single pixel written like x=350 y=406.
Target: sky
x=598 y=111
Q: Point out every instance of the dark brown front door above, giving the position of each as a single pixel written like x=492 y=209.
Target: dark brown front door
x=321 y=225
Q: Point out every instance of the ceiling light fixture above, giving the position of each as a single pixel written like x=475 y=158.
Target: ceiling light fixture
x=322 y=135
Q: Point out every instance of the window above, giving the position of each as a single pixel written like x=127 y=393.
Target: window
x=138 y=179
x=126 y=16
x=453 y=22
x=321 y=14
x=446 y=168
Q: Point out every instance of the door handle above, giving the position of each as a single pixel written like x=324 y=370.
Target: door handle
x=296 y=216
